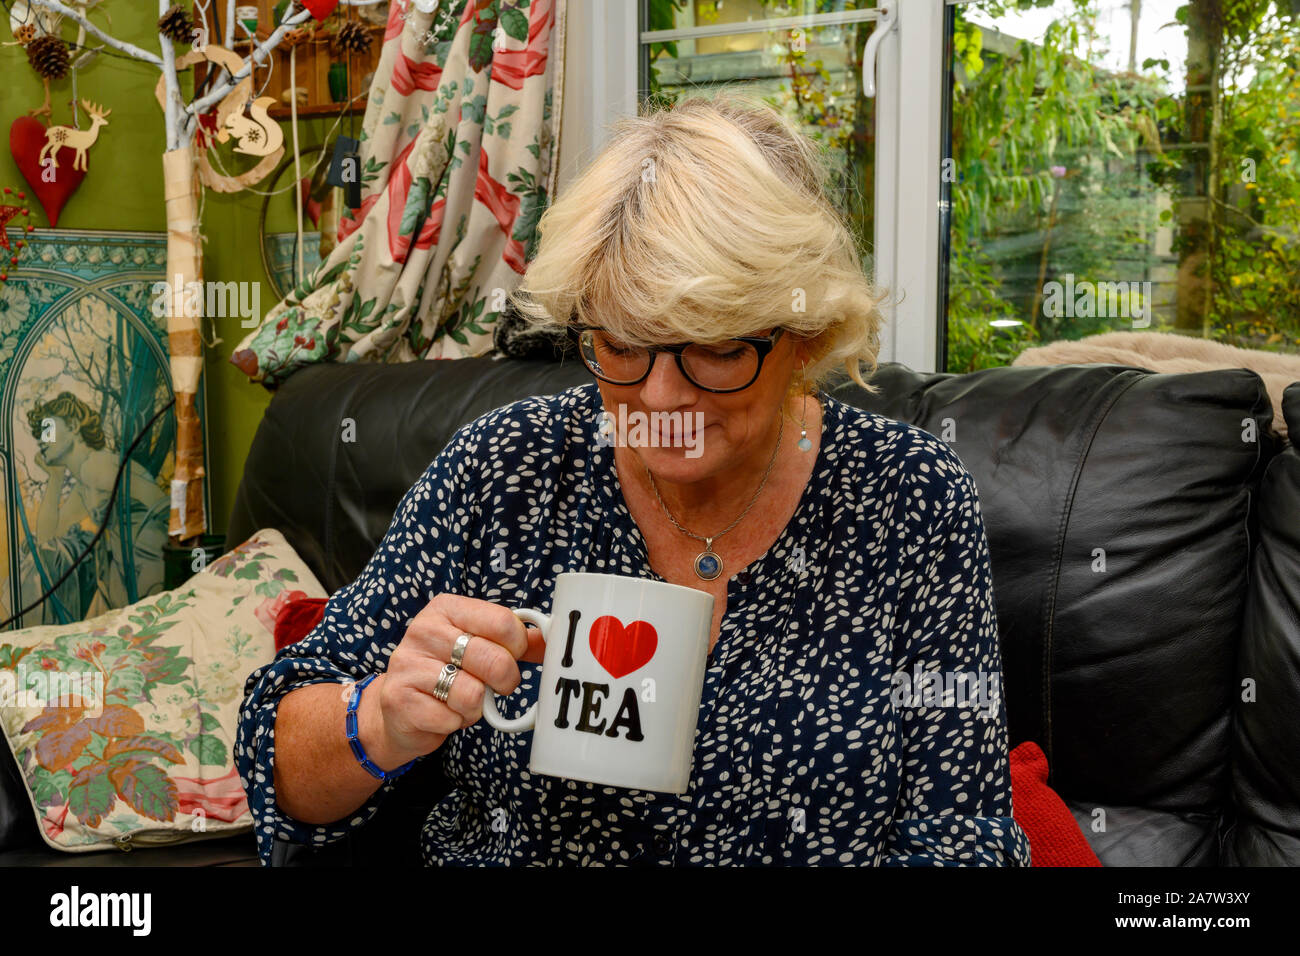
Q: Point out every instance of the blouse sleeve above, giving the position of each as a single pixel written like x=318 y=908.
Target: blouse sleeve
x=421 y=555
x=954 y=801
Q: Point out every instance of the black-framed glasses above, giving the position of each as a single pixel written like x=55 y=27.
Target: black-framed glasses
x=727 y=366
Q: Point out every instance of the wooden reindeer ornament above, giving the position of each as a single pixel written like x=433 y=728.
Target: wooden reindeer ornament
x=79 y=140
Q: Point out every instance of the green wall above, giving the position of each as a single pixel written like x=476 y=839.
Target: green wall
x=231 y=252
x=123 y=191
x=123 y=185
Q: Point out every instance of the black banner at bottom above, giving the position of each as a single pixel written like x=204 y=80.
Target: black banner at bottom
x=144 y=905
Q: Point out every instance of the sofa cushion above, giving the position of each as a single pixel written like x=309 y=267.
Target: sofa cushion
x=1144 y=836
x=121 y=726
x=1054 y=836
x=297 y=619
x=1117 y=504
x=1266 y=758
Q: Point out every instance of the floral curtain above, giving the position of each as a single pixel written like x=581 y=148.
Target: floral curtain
x=457 y=150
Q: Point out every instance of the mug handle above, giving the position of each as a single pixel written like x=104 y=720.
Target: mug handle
x=528 y=719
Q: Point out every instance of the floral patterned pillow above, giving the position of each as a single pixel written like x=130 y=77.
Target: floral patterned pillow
x=122 y=725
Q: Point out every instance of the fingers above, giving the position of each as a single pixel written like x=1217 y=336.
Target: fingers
x=419 y=705
x=536 y=653
x=484 y=619
x=497 y=638
x=490 y=663
x=465 y=696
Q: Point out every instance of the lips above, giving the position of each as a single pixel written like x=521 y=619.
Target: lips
x=673 y=436
x=673 y=430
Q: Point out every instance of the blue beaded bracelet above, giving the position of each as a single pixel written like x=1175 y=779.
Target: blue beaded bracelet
x=350 y=725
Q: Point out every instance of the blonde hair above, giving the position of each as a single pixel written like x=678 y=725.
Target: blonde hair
x=703 y=222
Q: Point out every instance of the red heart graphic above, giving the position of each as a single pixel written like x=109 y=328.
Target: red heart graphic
x=26 y=140
x=621 y=650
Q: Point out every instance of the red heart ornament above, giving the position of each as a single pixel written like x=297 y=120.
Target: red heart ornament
x=621 y=650
x=320 y=9
x=310 y=206
x=26 y=140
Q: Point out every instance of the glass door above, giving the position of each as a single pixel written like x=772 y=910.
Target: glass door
x=803 y=56
x=1118 y=165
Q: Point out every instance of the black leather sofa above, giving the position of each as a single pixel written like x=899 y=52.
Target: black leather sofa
x=1145 y=539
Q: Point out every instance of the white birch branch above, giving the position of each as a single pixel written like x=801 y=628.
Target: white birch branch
x=257 y=56
x=229 y=40
x=173 y=103
x=120 y=45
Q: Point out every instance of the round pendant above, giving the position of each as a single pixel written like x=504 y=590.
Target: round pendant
x=805 y=444
x=708 y=565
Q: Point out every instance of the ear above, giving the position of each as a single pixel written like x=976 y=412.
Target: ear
x=814 y=347
x=804 y=350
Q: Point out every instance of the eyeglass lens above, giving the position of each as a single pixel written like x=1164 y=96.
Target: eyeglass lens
x=723 y=365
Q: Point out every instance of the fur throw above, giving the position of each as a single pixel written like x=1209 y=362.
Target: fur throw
x=1167 y=352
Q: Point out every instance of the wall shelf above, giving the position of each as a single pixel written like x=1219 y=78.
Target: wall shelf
x=313 y=61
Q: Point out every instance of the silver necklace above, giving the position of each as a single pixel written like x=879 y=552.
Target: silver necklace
x=708 y=565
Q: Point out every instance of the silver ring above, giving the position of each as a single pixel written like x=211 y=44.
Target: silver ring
x=458 y=652
x=445 y=679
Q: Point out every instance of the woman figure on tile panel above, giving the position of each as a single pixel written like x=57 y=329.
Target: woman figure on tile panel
x=70 y=440
x=699 y=268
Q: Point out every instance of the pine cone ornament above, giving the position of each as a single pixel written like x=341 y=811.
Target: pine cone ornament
x=25 y=34
x=48 y=56
x=353 y=38
x=176 y=25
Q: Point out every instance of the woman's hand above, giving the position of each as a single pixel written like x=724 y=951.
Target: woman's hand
x=48 y=467
x=399 y=718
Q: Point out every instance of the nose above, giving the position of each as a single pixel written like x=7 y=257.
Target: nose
x=666 y=387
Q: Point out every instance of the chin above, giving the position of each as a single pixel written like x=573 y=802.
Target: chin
x=677 y=464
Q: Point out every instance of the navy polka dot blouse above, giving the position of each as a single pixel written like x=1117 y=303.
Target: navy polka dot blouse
x=851 y=713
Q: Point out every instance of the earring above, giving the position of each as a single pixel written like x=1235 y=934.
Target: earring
x=805 y=444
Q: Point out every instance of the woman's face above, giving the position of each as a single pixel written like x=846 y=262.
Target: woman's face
x=736 y=427
x=57 y=449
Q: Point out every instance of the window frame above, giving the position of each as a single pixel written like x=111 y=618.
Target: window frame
x=911 y=221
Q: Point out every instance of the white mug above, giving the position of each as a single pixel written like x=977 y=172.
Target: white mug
x=621 y=681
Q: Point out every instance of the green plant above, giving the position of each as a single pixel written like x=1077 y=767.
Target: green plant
x=1042 y=183
x=661 y=15
x=1255 y=261
x=1048 y=104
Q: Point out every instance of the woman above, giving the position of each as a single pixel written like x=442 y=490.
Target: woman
x=114 y=576
x=700 y=271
